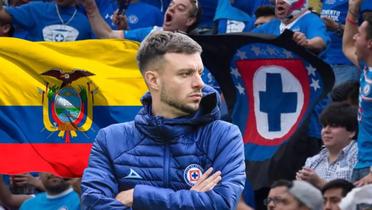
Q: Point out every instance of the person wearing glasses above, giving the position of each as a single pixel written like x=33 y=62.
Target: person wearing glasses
x=293 y=195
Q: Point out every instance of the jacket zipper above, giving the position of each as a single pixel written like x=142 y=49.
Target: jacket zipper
x=166 y=166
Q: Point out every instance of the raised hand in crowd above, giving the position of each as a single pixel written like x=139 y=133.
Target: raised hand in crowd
x=9 y=199
x=98 y=24
x=120 y=20
x=351 y=28
x=23 y=180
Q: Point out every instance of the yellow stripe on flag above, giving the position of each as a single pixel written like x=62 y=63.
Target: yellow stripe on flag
x=117 y=80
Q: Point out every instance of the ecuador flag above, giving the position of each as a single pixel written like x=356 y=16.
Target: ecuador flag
x=54 y=98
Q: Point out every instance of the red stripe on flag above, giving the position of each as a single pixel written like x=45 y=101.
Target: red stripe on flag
x=66 y=160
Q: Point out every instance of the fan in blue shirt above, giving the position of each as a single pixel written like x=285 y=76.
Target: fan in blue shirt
x=58 y=21
x=59 y=195
x=309 y=30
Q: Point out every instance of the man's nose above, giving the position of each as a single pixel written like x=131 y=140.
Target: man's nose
x=327 y=205
x=198 y=82
x=271 y=205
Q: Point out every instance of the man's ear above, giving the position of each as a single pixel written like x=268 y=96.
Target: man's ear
x=352 y=135
x=190 y=21
x=152 y=79
x=5 y=28
x=369 y=44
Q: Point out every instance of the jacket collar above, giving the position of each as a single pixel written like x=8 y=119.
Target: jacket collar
x=167 y=130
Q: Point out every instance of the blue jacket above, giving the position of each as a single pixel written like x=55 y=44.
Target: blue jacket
x=160 y=158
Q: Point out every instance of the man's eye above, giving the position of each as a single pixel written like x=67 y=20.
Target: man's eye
x=181 y=8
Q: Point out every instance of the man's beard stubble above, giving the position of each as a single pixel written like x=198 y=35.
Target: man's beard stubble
x=164 y=97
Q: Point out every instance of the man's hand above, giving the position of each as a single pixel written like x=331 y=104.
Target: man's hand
x=125 y=197
x=120 y=20
x=300 y=39
x=364 y=181
x=207 y=181
x=26 y=178
x=331 y=24
x=76 y=184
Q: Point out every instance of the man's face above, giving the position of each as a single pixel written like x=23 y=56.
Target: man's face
x=282 y=9
x=332 y=197
x=336 y=137
x=65 y=3
x=53 y=184
x=281 y=199
x=362 y=44
x=178 y=16
x=180 y=83
x=262 y=20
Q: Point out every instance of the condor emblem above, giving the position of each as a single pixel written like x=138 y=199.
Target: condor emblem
x=67 y=108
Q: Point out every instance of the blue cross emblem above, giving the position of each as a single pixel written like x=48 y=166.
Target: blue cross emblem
x=274 y=101
x=59 y=37
x=194 y=175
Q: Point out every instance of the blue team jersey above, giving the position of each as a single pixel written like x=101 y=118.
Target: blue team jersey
x=337 y=11
x=365 y=119
x=44 y=21
x=309 y=24
x=67 y=201
x=139 y=15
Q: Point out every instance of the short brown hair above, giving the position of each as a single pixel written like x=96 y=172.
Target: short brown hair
x=157 y=44
x=195 y=12
x=368 y=18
